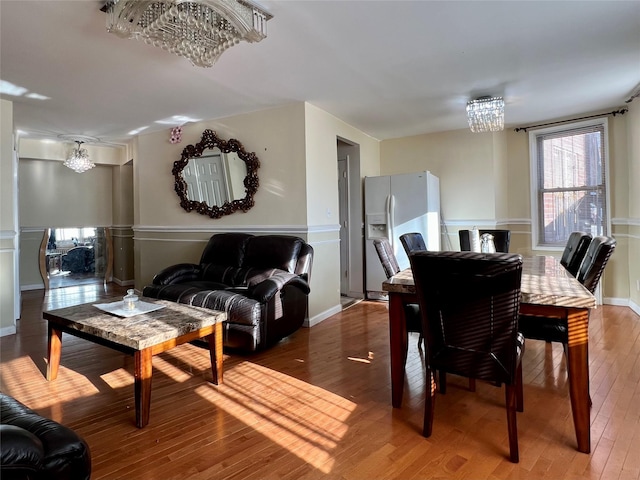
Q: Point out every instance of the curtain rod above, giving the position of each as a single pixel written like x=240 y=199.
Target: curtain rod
x=614 y=113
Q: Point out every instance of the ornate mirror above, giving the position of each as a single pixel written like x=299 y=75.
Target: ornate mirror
x=216 y=177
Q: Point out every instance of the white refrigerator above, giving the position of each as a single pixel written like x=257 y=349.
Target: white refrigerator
x=394 y=205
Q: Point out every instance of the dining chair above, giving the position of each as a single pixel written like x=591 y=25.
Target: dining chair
x=555 y=329
x=574 y=251
x=391 y=267
x=469 y=303
x=501 y=239
x=412 y=242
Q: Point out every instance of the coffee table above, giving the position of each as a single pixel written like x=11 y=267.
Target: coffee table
x=142 y=336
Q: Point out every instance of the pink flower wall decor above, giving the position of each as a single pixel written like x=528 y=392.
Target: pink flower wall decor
x=176 y=135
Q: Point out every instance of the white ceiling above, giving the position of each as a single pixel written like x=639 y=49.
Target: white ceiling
x=388 y=68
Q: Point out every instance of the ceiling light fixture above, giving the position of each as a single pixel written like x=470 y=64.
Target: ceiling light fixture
x=78 y=160
x=486 y=114
x=200 y=30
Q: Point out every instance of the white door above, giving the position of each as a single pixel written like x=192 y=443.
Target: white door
x=343 y=199
x=213 y=186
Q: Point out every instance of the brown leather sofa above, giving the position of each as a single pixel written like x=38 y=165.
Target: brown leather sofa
x=262 y=282
x=34 y=447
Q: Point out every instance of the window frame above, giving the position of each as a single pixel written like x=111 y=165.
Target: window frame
x=534 y=177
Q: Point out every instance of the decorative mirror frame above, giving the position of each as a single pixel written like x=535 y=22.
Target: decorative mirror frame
x=251 y=183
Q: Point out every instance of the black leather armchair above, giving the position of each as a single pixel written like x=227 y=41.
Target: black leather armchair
x=79 y=260
x=37 y=448
x=262 y=282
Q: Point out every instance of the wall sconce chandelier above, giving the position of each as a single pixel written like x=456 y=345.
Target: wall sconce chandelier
x=78 y=160
x=486 y=114
x=200 y=30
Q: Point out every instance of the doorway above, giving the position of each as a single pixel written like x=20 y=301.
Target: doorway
x=350 y=218
x=75 y=256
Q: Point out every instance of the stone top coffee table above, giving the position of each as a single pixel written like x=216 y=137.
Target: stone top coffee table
x=143 y=336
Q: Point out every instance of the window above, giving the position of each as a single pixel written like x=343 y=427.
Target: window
x=568 y=182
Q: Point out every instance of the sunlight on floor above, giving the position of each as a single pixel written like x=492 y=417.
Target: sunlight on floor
x=118 y=378
x=12 y=378
x=305 y=419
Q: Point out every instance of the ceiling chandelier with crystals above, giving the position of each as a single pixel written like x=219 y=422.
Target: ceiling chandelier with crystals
x=78 y=160
x=486 y=114
x=200 y=30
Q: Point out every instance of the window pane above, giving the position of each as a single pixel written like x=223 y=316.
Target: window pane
x=572 y=161
x=568 y=211
x=570 y=183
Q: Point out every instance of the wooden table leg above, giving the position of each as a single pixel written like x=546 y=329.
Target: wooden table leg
x=578 y=359
x=143 y=372
x=398 y=346
x=54 y=352
x=215 y=352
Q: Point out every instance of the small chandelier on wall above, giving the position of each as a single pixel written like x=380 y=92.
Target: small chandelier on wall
x=200 y=30
x=486 y=114
x=78 y=160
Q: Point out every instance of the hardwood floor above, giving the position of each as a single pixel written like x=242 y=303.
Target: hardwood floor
x=318 y=405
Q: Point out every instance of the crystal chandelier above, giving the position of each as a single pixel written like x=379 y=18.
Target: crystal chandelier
x=79 y=161
x=486 y=114
x=200 y=30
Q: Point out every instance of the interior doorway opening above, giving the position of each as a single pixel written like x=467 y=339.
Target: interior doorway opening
x=75 y=256
x=351 y=223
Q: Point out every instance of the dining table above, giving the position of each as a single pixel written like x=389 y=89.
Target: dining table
x=547 y=290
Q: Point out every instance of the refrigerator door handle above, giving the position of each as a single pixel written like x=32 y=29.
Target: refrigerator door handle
x=391 y=223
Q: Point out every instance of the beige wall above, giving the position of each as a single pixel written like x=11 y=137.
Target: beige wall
x=633 y=152
x=322 y=131
x=9 y=295
x=53 y=196
x=485 y=181
x=277 y=138
x=122 y=228
x=462 y=160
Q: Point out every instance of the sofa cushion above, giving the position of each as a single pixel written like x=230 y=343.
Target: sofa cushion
x=273 y=251
x=240 y=309
x=226 y=249
x=235 y=277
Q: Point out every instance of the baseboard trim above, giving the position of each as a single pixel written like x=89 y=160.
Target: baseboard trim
x=635 y=307
x=316 y=319
x=33 y=286
x=123 y=283
x=616 y=301
x=4 y=331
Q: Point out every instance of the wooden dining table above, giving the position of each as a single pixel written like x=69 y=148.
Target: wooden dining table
x=547 y=289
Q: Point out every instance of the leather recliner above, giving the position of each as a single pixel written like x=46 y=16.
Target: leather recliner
x=261 y=282
x=34 y=447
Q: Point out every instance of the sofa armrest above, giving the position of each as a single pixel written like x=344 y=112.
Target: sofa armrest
x=22 y=451
x=181 y=272
x=266 y=289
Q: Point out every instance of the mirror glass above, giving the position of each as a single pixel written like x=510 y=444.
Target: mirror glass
x=75 y=256
x=216 y=177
